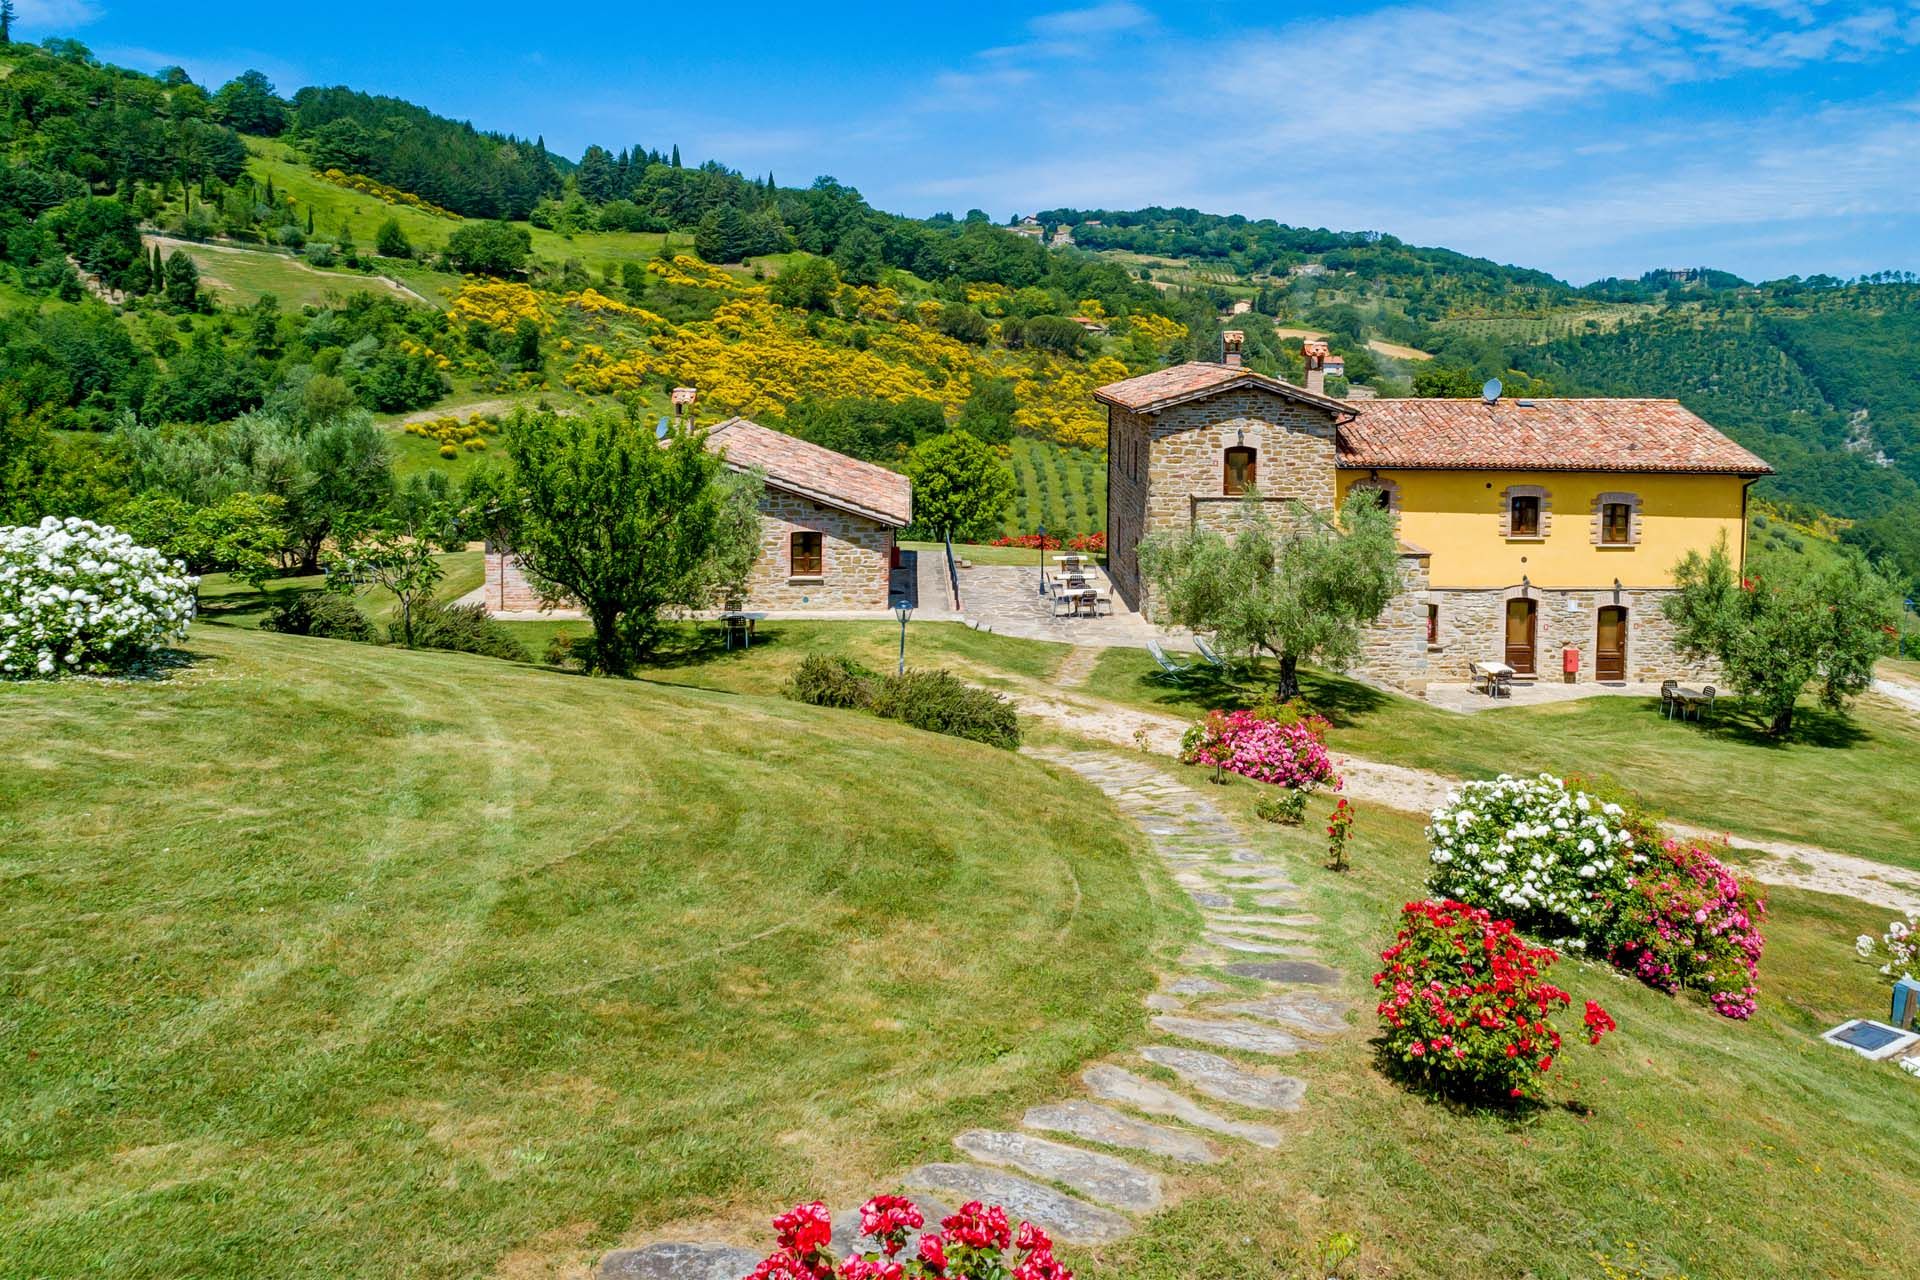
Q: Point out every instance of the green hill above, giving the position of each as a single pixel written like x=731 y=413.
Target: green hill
x=326 y=959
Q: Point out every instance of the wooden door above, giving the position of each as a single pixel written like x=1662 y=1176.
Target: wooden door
x=1522 y=619
x=1610 y=644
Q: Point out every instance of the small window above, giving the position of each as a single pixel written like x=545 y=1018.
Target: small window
x=1381 y=498
x=1524 y=517
x=807 y=558
x=1241 y=471
x=1616 y=524
x=1433 y=624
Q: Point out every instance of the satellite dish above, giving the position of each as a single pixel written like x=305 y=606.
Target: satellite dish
x=660 y=432
x=1491 y=391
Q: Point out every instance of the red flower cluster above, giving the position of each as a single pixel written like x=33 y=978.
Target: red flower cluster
x=1465 y=1003
x=1094 y=542
x=1031 y=541
x=972 y=1244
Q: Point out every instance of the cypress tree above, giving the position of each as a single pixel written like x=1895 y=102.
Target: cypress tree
x=676 y=155
x=269 y=191
x=309 y=220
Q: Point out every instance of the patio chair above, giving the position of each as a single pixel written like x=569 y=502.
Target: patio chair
x=1167 y=664
x=1102 y=602
x=1705 y=702
x=1668 y=688
x=1206 y=651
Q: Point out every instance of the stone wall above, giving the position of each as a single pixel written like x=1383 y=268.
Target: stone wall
x=856 y=554
x=1473 y=629
x=856 y=559
x=1393 y=651
x=1183 y=482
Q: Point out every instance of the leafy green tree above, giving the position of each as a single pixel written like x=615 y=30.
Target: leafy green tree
x=858 y=256
x=724 y=235
x=988 y=413
x=390 y=241
x=394 y=381
x=241 y=534
x=248 y=104
x=1788 y=625
x=961 y=488
x=183 y=281
x=490 y=249
x=875 y=430
x=394 y=554
x=962 y=322
x=1056 y=334
x=604 y=514
x=1303 y=589
x=808 y=284
x=526 y=344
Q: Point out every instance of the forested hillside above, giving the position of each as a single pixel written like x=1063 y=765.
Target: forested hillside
x=175 y=259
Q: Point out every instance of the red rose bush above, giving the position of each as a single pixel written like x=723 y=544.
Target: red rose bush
x=976 y=1243
x=1289 y=753
x=1466 y=1006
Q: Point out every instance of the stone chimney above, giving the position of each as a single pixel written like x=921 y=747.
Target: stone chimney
x=1230 y=344
x=1314 y=352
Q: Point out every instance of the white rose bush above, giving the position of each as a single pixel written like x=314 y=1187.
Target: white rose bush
x=76 y=596
x=1549 y=858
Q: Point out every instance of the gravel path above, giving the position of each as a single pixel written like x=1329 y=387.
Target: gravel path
x=1419 y=791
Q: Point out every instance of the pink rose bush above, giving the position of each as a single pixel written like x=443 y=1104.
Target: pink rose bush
x=1685 y=920
x=976 y=1243
x=1288 y=753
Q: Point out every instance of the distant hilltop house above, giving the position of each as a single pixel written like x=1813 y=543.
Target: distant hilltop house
x=1335 y=366
x=1099 y=328
x=1240 y=307
x=1528 y=527
x=1062 y=236
x=828 y=525
x=1030 y=226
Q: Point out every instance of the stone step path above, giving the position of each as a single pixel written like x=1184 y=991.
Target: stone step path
x=1084 y=1168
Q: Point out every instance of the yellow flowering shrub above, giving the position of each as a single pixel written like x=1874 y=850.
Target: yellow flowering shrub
x=500 y=304
x=990 y=298
x=1156 y=329
x=454 y=433
x=869 y=302
x=1056 y=399
x=1092 y=310
x=381 y=191
x=692 y=273
x=594 y=302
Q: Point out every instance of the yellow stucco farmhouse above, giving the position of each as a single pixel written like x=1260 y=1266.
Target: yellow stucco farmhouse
x=1538 y=533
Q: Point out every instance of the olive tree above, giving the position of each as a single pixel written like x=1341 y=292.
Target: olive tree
x=1303 y=590
x=1786 y=625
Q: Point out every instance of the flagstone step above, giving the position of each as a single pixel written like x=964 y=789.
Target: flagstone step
x=1285 y=971
x=1232 y=943
x=1107 y=1179
x=1066 y=1219
x=1095 y=1123
x=1228 y=1081
x=680 y=1262
x=1117 y=1084
x=1301 y=1011
x=1192 y=986
x=1250 y=1037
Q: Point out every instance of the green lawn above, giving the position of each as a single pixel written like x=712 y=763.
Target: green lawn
x=1844 y=783
x=232 y=602
x=983 y=553
x=1690 y=1127
x=239 y=276
x=334 y=960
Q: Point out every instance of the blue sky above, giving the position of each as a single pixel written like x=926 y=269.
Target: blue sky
x=1764 y=138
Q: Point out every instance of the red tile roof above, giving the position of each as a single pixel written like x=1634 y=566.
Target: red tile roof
x=807 y=469
x=1164 y=388
x=1539 y=435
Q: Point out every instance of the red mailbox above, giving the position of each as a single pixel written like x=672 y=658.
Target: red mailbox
x=1570 y=663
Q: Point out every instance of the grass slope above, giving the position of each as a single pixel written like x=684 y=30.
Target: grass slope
x=324 y=959
x=1849 y=779
x=1688 y=1128
x=1061 y=489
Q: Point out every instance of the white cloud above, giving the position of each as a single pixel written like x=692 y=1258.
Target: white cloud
x=55 y=15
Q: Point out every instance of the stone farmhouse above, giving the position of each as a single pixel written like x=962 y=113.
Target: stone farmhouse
x=1533 y=532
x=828 y=525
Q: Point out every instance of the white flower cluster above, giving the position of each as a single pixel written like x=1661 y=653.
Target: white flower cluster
x=1531 y=849
x=77 y=596
x=1902 y=941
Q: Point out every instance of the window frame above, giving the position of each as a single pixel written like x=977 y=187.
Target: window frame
x=1250 y=476
x=818 y=557
x=1530 y=503
x=1542 y=500
x=1614 y=534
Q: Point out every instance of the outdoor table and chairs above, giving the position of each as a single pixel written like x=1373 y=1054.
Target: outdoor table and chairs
x=1677 y=699
x=739 y=628
x=1494 y=678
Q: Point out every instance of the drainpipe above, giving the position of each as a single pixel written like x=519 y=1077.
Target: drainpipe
x=1746 y=487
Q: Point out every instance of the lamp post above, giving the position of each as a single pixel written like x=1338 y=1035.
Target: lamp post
x=903 y=612
x=1043 y=559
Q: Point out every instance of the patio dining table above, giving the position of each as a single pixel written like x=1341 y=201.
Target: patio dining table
x=1495 y=677
x=1078 y=596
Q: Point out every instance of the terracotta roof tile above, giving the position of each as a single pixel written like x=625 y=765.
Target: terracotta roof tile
x=1541 y=435
x=1151 y=392
x=807 y=469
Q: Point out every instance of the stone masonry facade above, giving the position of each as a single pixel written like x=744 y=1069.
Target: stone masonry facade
x=1166 y=470
x=856 y=561
x=856 y=555
x=1472 y=628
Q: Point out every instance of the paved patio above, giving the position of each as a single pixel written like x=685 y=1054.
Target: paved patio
x=1006 y=600
x=1468 y=698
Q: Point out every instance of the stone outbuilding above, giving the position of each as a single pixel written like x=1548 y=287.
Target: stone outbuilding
x=1542 y=534
x=828 y=527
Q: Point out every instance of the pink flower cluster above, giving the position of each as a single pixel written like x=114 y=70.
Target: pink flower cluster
x=1286 y=753
x=971 y=1244
x=1687 y=921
